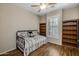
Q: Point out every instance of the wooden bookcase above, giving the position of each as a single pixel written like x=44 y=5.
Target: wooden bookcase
x=70 y=33
x=43 y=29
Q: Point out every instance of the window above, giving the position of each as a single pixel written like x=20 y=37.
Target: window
x=53 y=30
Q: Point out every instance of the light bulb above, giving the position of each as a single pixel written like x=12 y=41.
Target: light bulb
x=43 y=6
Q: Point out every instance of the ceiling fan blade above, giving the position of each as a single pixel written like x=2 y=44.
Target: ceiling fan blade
x=51 y=3
x=41 y=3
x=34 y=5
x=52 y=6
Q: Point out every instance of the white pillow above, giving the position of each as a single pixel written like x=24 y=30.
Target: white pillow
x=22 y=34
x=35 y=33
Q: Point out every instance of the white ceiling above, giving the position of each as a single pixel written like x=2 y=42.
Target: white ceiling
x=49 y=9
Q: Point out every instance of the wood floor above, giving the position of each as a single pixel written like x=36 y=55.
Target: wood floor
x=48 y=49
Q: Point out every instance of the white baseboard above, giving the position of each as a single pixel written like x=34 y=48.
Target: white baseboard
x=7 y=51
x=55 y=42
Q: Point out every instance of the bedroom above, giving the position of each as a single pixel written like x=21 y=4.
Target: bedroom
x=22 y=17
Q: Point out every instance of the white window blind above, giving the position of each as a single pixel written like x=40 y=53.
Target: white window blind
x=53 y=30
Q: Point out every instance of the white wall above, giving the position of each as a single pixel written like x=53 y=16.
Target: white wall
x=42 y=19
x=12 y=19
x=71 y=13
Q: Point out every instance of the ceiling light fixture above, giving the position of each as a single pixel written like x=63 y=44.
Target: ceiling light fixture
x=43 y=6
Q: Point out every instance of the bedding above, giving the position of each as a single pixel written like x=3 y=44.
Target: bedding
x=29 y=44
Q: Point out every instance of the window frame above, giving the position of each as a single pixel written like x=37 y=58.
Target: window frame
x=48 y=18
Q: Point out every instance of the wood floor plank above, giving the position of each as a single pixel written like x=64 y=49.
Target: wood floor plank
x=48 y=49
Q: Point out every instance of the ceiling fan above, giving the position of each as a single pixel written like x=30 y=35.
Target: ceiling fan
x=43 y=6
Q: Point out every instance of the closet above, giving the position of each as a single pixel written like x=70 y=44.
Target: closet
x=70 y=33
